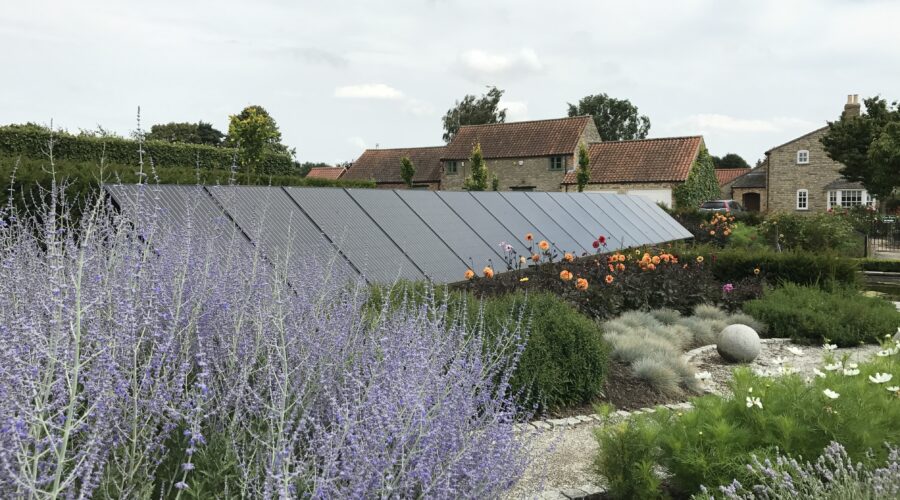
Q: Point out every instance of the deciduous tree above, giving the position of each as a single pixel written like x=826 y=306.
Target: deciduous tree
x=407 y=171
x=255 y=132
x=474 y=111
x=616 y=119
x=478 y=181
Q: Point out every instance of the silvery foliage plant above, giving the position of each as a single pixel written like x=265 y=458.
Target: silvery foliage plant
x=832 y=476
x=135 y=352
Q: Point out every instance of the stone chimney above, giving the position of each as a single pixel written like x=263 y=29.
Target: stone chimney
x=851 y=109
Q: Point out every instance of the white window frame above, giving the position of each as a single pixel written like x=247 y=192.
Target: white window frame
x=805 y=154
x=805 y=193
x=834 y=197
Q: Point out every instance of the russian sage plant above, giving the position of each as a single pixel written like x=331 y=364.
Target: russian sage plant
x=832 y=476
x=141 y=358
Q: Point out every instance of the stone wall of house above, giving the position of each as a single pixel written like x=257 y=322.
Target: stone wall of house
x=533 y=172
x=431 y=186
x=785 y=176
x=623 y=188
x=738 y=195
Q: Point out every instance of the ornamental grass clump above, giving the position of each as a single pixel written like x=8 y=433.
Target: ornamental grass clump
x=146 y=359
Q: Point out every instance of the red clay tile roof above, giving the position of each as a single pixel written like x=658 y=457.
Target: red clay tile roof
x=383 y=165
x=519 y=139
x=332 y=173
x=666 y=159
x=726 y=175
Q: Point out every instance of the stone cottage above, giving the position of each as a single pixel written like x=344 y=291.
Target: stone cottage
x=801 y=178
x=383 y=167
x=525 y=156
x=647 y=167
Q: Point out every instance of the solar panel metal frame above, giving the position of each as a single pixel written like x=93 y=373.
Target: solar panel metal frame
x=488 y=227
x=410 y=233
x=355 y=233
x=611 y=220
x=534 y=213
x=269 y=216
x=455 y=231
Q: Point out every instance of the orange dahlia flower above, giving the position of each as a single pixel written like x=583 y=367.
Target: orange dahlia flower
x=581 y=284
x=565 y=275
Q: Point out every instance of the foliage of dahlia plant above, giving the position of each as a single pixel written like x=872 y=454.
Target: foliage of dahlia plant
x=141 y=359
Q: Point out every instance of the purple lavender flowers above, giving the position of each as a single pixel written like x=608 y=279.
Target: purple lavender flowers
x=127 y=344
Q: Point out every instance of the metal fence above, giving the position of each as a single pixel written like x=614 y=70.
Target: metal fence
x=884 y=235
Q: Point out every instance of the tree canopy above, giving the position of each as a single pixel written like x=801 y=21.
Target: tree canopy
x=730 y=160
x=616 y=119
x=189 y=133
x=868 y=146
x=255 y=133
x=474 y=111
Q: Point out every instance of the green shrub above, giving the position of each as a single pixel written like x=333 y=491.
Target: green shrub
x=812 y=315
x=805 y=268
x=712 y=443
x=32 y=143
x=813 y=233
x=746 y=237
x=885 y=266
x=565 y=359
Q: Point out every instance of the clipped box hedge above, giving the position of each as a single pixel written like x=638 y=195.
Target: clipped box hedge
x=33 y=143
x=884 y=266
x=803 y=268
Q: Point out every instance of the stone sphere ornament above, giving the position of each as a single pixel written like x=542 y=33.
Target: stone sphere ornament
x=738 y=344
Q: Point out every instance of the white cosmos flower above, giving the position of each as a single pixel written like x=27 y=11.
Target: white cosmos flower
x=751 y=402
x=702 y=375
x=852 y=365
x=851 y=372
x=833 y=367
x=894 y=388
x=831 y=394
x=819 y=373
x=779 y=361
x=883 y=353
x=880 y=378
x=829 y=347
x=796 y=351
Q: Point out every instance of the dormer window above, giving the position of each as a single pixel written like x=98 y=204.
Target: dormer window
x=803 y=157
x=557 y=162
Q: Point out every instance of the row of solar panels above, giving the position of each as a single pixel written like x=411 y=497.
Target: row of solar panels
x=409 y=234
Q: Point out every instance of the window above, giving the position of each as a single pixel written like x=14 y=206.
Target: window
x=802 y=199
x=802 y=157
x=833 y=199
x=522 y=188
x=452 y=167
x=557 y=162
x=851 y=198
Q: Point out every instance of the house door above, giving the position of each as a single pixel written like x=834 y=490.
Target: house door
x=750 y=202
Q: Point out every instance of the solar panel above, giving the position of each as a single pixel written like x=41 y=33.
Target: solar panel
x=628 y=205
x=535 y=214
x=355 y=234
x=481 y=221
x=272 y=219
x=612 y=220
x=585 y=219
x=509 y=217
x=584 y=230
x=676 y=230
x=420 y=243
x=180 y=207
x=455 y=232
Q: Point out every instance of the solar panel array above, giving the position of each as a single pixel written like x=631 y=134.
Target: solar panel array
x=385 y=235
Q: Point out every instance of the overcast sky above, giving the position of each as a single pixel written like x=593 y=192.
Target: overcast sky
x=341 y=76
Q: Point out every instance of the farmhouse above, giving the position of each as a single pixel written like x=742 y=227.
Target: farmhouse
x=383 y=167
x=801 y=178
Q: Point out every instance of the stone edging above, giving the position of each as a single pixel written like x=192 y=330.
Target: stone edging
x=586 y=491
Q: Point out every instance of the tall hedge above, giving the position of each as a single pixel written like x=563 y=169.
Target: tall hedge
x=701 y=184
x=32 y=142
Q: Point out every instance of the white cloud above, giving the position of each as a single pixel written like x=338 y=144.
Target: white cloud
x=725 y=123
x=368 y=91
x=516 y=111
x=358 y=142
x=480 y=63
